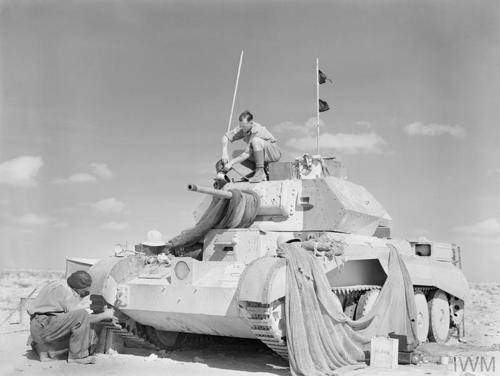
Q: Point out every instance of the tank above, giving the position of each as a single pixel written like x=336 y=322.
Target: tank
x=236 y=286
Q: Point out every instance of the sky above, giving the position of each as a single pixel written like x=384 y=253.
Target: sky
x=108 y=109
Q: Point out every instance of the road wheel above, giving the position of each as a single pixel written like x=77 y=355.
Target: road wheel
x=439 y=312
x=350 y=306
x=366 y=303
x=422 y=316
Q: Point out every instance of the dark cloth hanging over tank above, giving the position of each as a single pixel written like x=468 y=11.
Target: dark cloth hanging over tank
x=238 y=212
x=320 y=337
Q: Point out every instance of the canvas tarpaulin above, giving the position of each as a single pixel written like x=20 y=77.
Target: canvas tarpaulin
x=320 y=337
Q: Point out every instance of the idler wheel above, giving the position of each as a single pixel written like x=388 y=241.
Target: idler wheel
x=366 y=303
x=422 y=316
x=439 y=312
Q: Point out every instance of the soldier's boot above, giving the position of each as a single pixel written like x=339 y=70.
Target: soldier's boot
x=44 y=357
x=259 y=174
x=42 y=352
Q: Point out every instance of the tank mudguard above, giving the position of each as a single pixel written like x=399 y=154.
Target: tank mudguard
x=441 y=274
x=111 y=271
x=427 y=271
x=263 y=281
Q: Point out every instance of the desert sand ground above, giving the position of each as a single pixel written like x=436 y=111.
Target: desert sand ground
x=482 y=340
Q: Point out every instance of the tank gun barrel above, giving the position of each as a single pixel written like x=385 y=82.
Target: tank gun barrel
x=210 y=191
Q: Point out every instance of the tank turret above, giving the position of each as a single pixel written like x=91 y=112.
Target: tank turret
x=321 y=202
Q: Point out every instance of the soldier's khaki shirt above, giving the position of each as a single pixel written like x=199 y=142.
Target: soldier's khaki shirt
x=257 y=130
x=56 y=296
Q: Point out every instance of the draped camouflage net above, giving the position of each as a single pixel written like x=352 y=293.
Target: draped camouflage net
x=237 y=212
x=320 y=337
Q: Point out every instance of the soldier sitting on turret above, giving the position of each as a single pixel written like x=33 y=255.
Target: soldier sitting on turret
x=261 y=148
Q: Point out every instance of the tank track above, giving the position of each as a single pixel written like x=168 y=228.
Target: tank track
x=130 y=338
x=269 y=327
x=265 y=327
x=132 y=334
x=136 y=335
x=357 y=289
x=424 y=289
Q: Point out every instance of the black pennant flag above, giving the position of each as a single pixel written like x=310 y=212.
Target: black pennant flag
x=323 y=106
x=322 y=78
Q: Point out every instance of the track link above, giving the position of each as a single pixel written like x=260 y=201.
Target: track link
x=132 y=334
x=267 y=324
x=354 y=290
x=131 y=339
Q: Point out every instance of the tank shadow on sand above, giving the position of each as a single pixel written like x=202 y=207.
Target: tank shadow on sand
x=237 y=354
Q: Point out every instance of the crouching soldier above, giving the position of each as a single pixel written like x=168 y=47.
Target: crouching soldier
x=57 y=315
x=261 y=147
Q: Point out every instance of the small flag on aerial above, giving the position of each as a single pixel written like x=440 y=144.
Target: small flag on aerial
x=323 y=106
x=322 y=78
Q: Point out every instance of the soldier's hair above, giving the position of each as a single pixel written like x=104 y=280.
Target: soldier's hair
x=246 y=115
x=79 y=280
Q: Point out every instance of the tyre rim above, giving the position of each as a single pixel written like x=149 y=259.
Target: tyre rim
x=420 y=320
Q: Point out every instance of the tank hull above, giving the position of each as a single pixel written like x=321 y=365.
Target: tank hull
x=201 y=306
x=211 y=299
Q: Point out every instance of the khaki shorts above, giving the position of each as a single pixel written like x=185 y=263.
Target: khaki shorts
x=272 y=152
